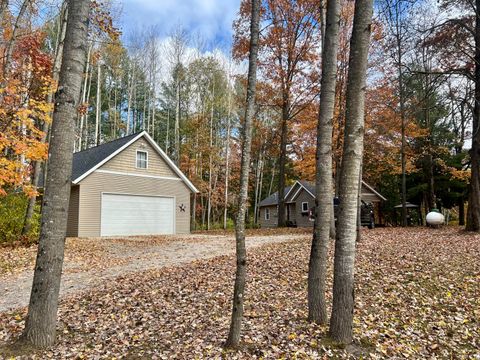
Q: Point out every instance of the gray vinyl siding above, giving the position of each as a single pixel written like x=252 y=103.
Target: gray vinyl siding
x=72 y=223
x=273 y=221
x=303 y=218
x=125 y=161
x=92 y=187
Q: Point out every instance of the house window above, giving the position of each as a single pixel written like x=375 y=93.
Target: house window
x=142 y=159
x=304 y=207
x=267 y=214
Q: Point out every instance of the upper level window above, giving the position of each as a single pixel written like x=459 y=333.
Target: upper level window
x=304 y=206
x=142 y=159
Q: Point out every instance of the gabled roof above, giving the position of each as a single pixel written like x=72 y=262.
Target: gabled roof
x=273 y=199
x=374 y=191
x=87 y=161
x=310 y=188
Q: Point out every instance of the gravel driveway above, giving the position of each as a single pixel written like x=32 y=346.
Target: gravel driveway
x=130 y=255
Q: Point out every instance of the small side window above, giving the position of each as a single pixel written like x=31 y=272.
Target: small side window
x=304 y=206
x=267 y=214
x=142 y=159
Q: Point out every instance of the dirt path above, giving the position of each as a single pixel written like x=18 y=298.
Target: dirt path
x=133 y=256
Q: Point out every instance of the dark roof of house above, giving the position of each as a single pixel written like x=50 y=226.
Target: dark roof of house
x=273 y=199
x=87 y=159
x=308 y=185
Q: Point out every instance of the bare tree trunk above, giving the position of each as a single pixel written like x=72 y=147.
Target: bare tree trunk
x=42 y=311
x=55 y=75
x=233 y=339
x=144 y=107
x=317 y=310
x=282 y=163
x=473 y=209
x=177 y=122
x=167 y=144
x=98 y=107
x=85 y=129
x=258 y=171
x=153 y=112
x=341 y=322
x=359 y=205
x=130 y=96
x=210 y=163
x=398 y=38
x=272 y=177
x=461 y=212
x=84 y=97
x=11 y=44
x=227 y=159
x=260 y=187
x=3 y=7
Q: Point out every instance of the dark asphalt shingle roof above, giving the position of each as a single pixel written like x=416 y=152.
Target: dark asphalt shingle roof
x=273 y=199
x=87 y=159
x=308 y=185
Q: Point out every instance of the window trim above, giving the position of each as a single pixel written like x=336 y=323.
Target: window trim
x=267 y=214
x=303 y=210
x=146 y=159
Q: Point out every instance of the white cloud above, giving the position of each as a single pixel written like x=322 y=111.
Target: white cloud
x=209 y=19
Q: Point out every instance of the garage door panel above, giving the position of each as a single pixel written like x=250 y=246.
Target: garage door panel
x=136 y=215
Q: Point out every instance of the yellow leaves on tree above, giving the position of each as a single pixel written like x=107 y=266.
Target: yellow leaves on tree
x=23 y=109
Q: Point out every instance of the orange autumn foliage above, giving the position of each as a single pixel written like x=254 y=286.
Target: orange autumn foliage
x=23 y=95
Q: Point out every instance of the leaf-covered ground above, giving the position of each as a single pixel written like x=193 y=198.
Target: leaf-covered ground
x=418 y=296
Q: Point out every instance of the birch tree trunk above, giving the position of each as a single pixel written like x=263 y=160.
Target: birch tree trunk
x=177 y=121
x=11 y=44
x=343 y=280
x=167 y=143
x=282 y=163
x=317 y=310
x=233 y=339
x=42 y=311
x=3 y=7
x=130 y=95
x=84 y=98
x=210 y=162
x=403 y=120
x=227 y=159
x=98 y=107
x=85 y=126
x=56 y=72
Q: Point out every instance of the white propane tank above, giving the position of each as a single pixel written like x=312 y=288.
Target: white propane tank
x=435 y=218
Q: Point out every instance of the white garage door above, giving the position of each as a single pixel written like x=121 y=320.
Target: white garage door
x=137 y=215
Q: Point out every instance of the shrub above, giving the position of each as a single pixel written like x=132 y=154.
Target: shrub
x=12 y=215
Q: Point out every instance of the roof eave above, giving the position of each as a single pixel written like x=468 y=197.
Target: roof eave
x=155 y=146
x=112 y=155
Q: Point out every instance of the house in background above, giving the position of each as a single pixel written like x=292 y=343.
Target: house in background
x=128 y=186
x=300 y=199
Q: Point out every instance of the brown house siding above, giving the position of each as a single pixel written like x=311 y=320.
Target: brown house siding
x=303 y=218
x=72 y=223
x=126 y=161
x=92 y=187
x=273 y=221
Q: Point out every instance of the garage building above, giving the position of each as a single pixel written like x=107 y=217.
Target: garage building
x=128 y=186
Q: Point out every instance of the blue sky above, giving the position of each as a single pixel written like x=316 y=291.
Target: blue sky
x=211 y=19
